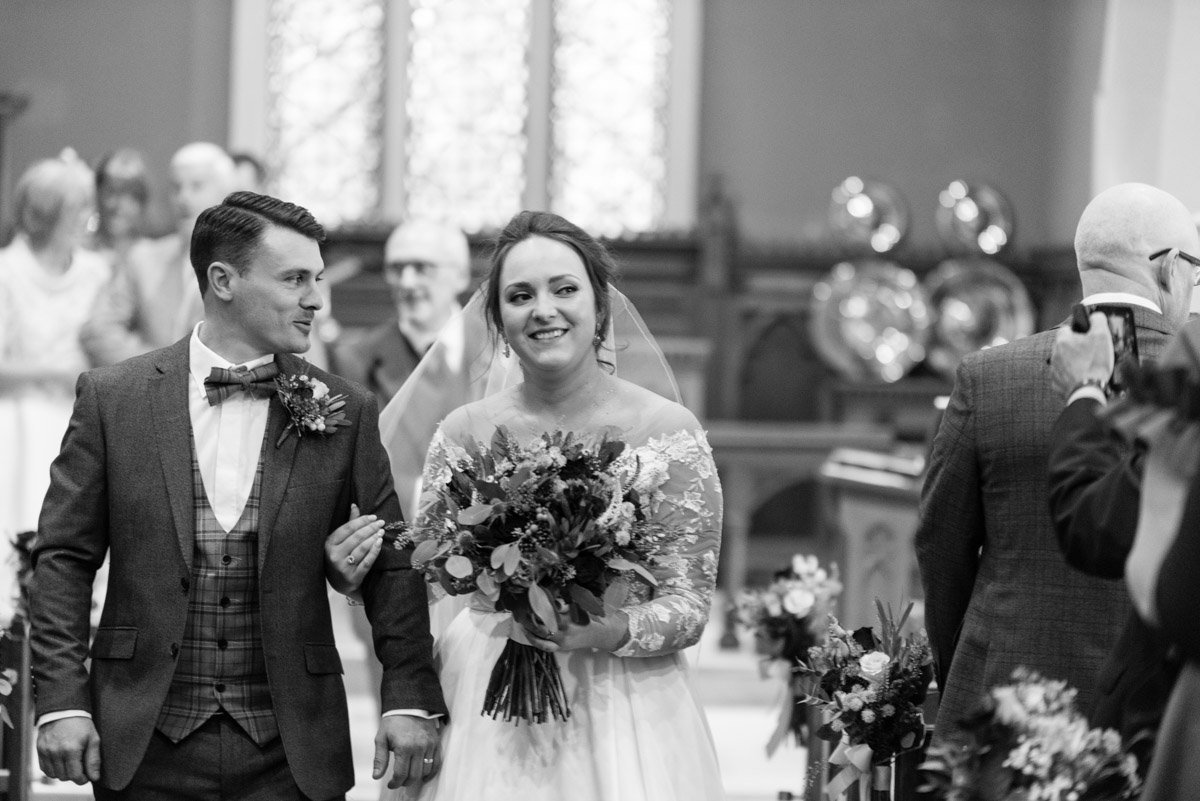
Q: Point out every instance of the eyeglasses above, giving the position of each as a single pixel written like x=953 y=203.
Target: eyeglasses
x=1189 y=258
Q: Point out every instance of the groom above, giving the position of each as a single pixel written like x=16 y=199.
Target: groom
x=214 y=672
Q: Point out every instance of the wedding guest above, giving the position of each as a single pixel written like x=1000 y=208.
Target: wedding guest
x=214 y=673
x=636 y=731
x=1165 y=555
x=998 y=592
x=48 y=281
x=152 y=300
x=426 y=266
x=122 y=192
x=1095 y=495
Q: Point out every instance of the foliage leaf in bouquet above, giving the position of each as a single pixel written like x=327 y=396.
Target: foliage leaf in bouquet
x=1027 y=741
x=550 y=531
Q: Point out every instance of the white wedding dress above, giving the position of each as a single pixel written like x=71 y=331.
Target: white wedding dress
x=636 y=730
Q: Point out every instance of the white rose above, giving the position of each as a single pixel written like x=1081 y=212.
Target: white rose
x=803 y=565
x=799 y=601
x=873 y=664
x=319 y=389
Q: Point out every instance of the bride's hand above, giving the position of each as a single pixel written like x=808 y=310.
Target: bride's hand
x=606 y=633
x=351 y=550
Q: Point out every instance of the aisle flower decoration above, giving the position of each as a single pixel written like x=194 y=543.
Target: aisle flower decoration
x=870 y=689
x=549 y=531
x=788 y=617
x=14 y=611
x=1027 y=741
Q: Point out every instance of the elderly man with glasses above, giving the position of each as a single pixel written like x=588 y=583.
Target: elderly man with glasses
x=998 y=591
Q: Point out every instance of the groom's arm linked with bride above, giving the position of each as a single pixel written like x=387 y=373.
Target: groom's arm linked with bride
x=214 y=508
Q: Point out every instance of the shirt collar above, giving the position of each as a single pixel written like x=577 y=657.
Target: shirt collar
x=1121 y=299
x=202 y=359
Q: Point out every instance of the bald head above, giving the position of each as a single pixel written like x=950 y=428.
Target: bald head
x=1118 y=232
x=202 y=174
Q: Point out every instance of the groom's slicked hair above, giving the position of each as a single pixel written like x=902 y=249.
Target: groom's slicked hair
x=232 y=231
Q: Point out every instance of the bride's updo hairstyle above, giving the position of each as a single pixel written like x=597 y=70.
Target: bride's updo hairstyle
x=597 y=261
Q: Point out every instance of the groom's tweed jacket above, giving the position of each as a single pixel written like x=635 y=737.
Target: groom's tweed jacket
x=123 y=486
x=998 y=592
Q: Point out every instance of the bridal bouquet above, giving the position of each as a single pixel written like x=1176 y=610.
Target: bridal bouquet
x=1027 y=742
x=870 y=688
x=544 y=531
x=787 y=618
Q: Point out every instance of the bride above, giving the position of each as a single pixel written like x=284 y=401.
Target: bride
x=636 y=729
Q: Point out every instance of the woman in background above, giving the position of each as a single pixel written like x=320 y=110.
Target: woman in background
x=48 y=283
x=122 y=192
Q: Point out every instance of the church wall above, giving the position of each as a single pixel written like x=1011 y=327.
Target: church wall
x=797 y=94
x=150 y=74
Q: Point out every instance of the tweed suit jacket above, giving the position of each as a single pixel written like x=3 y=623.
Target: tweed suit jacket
x=998 y=592
x=122 y=484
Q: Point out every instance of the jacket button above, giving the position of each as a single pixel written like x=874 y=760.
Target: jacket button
x=185 y=585
x=174 y=650
x=222 y=643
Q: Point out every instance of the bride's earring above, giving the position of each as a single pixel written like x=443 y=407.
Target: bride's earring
x=507 y=349
x=596 y=340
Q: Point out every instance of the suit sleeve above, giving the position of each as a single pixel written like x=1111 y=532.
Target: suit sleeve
x=394 y=593
x=1095 y=487
x=71 y=543
x=950 y=531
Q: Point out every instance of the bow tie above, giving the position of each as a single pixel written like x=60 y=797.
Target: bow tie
x=257 y=383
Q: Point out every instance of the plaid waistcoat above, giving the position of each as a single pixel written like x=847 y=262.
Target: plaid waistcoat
x=221 y=664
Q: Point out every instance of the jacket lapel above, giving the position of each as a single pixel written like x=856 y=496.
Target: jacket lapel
x=172 y=423
x=277 y=462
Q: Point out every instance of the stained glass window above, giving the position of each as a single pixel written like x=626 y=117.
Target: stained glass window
x=609 y=104
x=469 y=110
x=466 y=110
x=324 y=121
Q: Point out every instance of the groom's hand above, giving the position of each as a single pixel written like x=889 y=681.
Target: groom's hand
x=69 y=749
x=414 y=745
x=351 y=550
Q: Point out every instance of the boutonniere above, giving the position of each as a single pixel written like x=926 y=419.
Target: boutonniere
x=309 y=405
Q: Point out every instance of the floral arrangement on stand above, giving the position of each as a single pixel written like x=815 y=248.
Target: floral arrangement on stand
x=870 y=689
x=788 y=617
x=548 y=531
x=1027 y=741
x=13 y=615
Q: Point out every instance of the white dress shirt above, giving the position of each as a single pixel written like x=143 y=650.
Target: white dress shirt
x=227 y=437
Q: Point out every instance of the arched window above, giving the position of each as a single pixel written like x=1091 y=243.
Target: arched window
x=470 y=110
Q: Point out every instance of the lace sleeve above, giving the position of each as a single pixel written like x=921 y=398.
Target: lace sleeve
x=686 y=540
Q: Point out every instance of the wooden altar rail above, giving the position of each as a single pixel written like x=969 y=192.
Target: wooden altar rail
x=755 y=461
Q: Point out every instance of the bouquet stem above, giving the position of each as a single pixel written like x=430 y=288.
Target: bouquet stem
x=525 y=684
